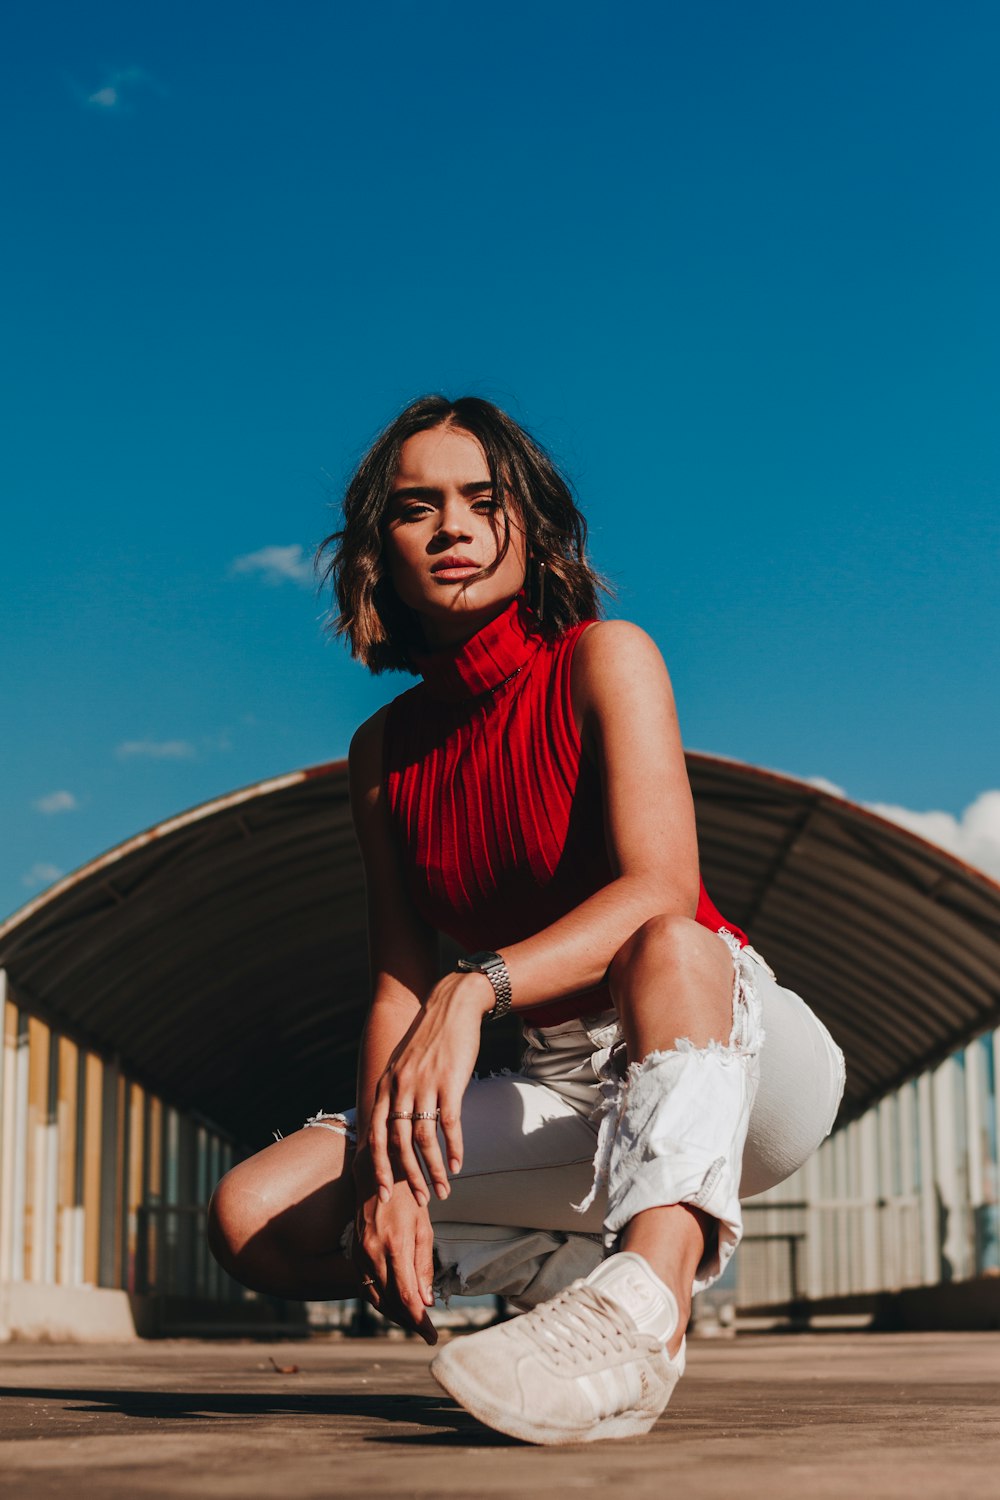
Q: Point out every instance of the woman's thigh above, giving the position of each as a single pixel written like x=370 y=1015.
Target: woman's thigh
x=528 y=1157
x=801 y=1083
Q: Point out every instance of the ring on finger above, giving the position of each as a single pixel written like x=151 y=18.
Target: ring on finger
x=402 y=1114
x=367 y=1281
x=427 y=1114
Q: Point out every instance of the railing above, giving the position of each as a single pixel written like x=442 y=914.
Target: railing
x=172 y=1257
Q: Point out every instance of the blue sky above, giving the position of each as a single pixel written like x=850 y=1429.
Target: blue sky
x=734 y=263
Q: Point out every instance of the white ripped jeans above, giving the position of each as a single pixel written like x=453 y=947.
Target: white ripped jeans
x=559 y=1157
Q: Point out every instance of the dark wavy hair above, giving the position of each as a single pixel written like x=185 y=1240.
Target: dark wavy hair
x=380 y=629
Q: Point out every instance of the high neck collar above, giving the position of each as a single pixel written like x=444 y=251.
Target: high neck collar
x=486 y=660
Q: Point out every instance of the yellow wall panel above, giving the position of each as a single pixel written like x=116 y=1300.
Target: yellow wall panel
x=38 y=1111
x=92 y=1171
x=68 y=1225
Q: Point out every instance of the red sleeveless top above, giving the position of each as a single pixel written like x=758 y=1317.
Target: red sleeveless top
x=497 y=811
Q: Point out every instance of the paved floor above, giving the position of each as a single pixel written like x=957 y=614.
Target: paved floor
x=815 y=1416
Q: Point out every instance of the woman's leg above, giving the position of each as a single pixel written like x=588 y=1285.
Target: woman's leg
x=275 y=1221
x=672 y=980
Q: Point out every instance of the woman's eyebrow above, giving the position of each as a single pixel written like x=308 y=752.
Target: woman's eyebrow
x=432 y=492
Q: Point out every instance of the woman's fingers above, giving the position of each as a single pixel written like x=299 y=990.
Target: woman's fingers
x=378 y=1149
x=401 y=1147
x=423 y=1259
x=371 y=1269
x=425 y=1139
x=404 y=1274
x=451 y=1126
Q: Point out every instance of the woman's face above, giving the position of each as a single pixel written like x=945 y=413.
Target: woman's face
x=444 y=531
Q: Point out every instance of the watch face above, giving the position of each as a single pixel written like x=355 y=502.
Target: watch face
x=483 y=961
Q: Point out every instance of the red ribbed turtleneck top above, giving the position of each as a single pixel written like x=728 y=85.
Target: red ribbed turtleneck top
x=497 y=810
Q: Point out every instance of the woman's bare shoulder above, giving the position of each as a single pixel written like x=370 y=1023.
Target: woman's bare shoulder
x=616 y=647
x=365 y=755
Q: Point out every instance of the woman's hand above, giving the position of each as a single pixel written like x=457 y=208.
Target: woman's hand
x=393 y=1253
x=424 y=1083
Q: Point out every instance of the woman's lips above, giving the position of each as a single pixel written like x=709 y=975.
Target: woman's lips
x=453 y=569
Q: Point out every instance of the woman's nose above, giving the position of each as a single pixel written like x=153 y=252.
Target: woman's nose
x=453 y=523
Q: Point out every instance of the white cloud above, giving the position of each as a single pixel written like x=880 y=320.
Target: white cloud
x=278 y=565
x=117 y=93
x=823 y=785
x=56 y=802
x=974 y=836
x=41 y=874
x=156 y=749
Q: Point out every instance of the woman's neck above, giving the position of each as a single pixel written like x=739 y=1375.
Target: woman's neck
x=459 y=626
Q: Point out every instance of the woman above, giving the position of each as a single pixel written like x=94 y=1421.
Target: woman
x=529 y=798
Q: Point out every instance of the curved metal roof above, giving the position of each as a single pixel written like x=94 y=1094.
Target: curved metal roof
x=222 y=957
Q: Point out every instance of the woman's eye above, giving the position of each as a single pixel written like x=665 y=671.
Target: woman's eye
x=414 y=512
x=487 y=503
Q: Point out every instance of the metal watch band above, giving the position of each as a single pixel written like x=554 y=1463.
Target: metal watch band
x=493 y=966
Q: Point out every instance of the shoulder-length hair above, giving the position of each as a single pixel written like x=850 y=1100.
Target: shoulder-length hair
x=380 y=629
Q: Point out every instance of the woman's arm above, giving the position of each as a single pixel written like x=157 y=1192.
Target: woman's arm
x=625 y=708
x=394 y=1241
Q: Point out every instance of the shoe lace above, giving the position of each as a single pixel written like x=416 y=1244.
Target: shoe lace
x=580 y=1325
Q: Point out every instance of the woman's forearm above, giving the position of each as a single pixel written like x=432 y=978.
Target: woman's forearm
x=574 y=952
x=388 y=1022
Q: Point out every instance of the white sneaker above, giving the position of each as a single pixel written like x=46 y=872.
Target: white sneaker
x=590 y=1364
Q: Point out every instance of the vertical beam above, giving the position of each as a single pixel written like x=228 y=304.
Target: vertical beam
x=4 y=1089
x=108 y=1269
x=868 y=1185
x=907 y=1141
x=154 y=1195
x=50 y=1184
x=977 y=1149
x=121 y=1181
x=992 y=1116
x=18 y=1260
x=136 y=1172
x=930 y=1220
x=66 y=1217
x=813 y=1268
x=8 y=1126
x=889 y=1238
x=92 y=1162
x=38 y=1106
x=948 y=1174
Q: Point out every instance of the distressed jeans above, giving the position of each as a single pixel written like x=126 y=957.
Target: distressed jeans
x=560 y=1156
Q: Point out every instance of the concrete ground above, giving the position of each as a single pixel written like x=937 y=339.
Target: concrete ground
x=811 y=1415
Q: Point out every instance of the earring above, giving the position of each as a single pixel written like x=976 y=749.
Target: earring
x=541 y=592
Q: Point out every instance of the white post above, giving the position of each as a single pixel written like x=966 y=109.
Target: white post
x=888 y=1271
x=930 y=1229
x=976 y=1144
x=20 y=1134
x=948 y=1175
x=868 y=1193
x=7 y=1085
x=909 y=1229
x=813 y=1272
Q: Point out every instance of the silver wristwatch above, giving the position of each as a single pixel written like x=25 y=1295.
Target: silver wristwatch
x=493 y=966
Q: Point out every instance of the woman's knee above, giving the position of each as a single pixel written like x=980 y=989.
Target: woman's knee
x=662 y=945
x=238 y=1214
x=292 y=1197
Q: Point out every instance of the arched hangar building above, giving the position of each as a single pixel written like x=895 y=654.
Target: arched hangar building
x=170 y=1005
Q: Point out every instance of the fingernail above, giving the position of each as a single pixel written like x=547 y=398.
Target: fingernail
x=441 y=1188
x=428 y=1296
x=383 y=1193
x=454 y=1165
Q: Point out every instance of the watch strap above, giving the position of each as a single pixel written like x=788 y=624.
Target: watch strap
x=493 y=966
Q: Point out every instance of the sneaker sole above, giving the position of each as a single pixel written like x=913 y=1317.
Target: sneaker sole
x=623 y=1425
